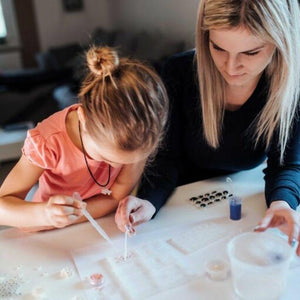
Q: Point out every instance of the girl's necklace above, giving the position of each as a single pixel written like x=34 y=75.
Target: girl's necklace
x=104 y=191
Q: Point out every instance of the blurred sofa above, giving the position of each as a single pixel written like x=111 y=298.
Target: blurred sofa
x=151 y=47
x=27 y=95
x=32 y=95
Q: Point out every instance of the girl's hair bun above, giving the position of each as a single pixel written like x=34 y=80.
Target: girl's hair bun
x=102 y=60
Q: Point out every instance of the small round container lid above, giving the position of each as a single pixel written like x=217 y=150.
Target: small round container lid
x=217 y=269
x=96 y=280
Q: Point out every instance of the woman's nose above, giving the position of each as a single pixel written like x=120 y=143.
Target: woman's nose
x=233 y=65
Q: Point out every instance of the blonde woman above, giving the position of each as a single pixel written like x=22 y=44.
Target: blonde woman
x=234 y=102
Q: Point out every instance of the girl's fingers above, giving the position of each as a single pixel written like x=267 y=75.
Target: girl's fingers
x=78 y=201
x=62 y=200
x=60 y=210
x=131 y=218
x=79 y=204
x=126 y=206
x=63 y=205
x=62 y=221
x=65 y=200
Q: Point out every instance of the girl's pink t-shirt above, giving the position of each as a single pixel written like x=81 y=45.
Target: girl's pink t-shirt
x=49 y=147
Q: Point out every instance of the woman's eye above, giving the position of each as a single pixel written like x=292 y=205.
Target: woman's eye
x=217 y=48
x=252 y=53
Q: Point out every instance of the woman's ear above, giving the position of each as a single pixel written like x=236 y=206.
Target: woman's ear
x=81 y=117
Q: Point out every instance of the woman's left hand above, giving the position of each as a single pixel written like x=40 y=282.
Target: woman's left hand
x=282 y=216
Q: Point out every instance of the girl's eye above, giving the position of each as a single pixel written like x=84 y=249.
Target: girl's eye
x=251 y=53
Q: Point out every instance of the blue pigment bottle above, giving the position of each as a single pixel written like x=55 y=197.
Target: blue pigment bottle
x=235 y=203
x=235 y=206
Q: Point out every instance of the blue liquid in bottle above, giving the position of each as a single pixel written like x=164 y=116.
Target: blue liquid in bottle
x=235 y=205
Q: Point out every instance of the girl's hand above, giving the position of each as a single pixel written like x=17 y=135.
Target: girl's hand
x=133 y=211
x=61 y=211
x=282 y=216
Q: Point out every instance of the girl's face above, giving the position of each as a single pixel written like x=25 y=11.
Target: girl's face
x=109 y=153
x=238 y=55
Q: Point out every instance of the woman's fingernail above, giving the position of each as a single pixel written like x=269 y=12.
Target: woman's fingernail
x=293 y=242
x=256 y=227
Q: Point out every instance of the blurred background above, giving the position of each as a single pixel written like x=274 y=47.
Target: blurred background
x=41 y=47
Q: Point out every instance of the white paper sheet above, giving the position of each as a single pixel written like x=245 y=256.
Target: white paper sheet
x=197 y=236
x=149 y=269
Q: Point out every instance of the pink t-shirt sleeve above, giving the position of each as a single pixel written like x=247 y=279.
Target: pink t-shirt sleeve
x=40 y=150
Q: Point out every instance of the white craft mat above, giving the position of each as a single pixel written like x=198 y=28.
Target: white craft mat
x=163 y=259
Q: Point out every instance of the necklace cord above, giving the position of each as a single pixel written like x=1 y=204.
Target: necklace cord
x=87 y=165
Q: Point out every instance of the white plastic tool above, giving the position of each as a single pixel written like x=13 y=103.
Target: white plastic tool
x=92 y=221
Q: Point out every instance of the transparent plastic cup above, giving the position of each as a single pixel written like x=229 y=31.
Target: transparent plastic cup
x=259 y=265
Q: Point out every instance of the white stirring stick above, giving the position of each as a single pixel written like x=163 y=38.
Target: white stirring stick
x=125 y=242
x=92 y=221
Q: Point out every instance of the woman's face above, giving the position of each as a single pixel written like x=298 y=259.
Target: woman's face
x=238 y=55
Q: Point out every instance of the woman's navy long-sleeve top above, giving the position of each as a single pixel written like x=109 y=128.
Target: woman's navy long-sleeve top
x=186 y=157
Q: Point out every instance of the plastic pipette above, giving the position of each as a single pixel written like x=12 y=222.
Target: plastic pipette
x=92 y=221
x=97 y=226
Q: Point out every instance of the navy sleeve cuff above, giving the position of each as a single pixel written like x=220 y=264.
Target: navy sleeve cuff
x=284 y=194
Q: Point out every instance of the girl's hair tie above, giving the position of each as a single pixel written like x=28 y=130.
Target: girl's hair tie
x=102 y=61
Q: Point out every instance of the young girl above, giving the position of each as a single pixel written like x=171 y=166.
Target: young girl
x=97 y=148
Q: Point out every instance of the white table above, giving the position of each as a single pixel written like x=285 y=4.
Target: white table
x=41 y=256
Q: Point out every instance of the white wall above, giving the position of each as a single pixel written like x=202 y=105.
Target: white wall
x=57 y=27
x=10 y=21
x=175 y=18
x=10 y=60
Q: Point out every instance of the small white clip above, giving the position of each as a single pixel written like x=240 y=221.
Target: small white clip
x=106 y=192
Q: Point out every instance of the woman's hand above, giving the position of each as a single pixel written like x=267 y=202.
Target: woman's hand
x=282 y=216
x=133 y=211
x=61 y=211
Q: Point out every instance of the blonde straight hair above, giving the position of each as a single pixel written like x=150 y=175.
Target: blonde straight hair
x=277 y=22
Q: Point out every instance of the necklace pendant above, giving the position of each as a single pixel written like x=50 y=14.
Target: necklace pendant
x=106 y=192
